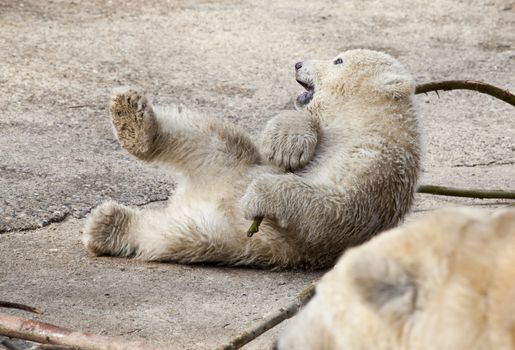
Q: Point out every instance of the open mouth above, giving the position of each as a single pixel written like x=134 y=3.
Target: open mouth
x=306 y=95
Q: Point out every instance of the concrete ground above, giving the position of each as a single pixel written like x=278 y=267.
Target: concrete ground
x=59 y=61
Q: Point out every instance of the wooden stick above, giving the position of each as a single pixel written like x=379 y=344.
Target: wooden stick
x=436 y=190
x=465 y=192
x=40 y=332
x=272 y=321
x=53 y=347
x=23 y=307
x=473 y=85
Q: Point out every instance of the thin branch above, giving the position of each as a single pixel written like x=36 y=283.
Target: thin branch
x=8 y=304
x=473 y=85
x=53 y=347
x=435 y=190
x=465 y=192
x=40 y=332
x=272 y=321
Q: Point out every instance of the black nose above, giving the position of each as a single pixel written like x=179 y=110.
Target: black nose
x=298 y=65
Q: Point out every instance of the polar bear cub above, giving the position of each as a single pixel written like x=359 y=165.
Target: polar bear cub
x=328 y=176
x=444 y=281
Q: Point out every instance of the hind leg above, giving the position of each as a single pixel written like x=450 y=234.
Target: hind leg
x=189 y=233
x=213 y=158
x=106 y=230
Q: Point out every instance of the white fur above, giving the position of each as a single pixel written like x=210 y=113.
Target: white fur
x=443 y=281
x=326 y=177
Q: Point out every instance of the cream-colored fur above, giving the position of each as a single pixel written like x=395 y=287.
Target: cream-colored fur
x=331 y=175
x=444 y=281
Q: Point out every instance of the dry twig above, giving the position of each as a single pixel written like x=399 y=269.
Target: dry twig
x=40 y=332
x=465 y=192
x=53 y=347
x=272 y=321
x=473 y=85
x=23 y=307
x=436 y=190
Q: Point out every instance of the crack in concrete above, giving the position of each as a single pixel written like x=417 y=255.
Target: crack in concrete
x=60 y=217
x=493 y=162
x=151 y=201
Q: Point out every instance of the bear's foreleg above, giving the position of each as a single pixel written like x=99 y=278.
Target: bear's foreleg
x=289 y=140
x=295 y=203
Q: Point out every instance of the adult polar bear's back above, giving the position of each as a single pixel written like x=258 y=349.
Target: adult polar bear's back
x=443 y=281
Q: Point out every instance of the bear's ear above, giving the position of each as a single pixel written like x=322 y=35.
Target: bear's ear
x=395 y=86
x=384 y=284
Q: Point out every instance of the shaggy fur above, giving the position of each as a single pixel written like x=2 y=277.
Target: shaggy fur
x=326 y=177
x=444 y=281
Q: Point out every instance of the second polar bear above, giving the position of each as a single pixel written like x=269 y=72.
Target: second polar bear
x=445 y=280
x=326 y=177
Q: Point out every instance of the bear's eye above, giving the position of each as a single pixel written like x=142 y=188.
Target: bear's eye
x=338 y=61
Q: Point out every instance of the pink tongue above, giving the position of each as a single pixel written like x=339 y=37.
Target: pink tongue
x=304 y=97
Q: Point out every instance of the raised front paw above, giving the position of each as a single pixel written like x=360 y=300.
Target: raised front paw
x=106 y=230
x=289 y=141
x=134 y=122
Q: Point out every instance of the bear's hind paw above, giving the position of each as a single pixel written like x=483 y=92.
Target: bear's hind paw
x=106 y=230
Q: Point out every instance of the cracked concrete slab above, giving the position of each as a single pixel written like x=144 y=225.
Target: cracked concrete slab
x=58 y=157
x=172 y=306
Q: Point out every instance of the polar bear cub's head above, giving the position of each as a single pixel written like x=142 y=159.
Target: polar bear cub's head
x=354 y=75
x=444 y=281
